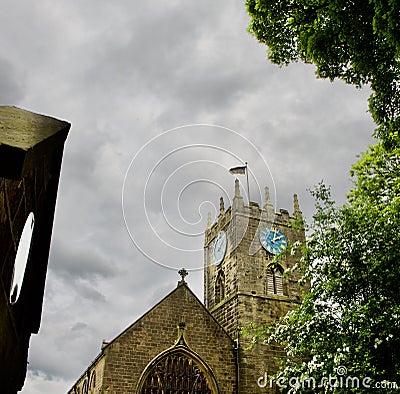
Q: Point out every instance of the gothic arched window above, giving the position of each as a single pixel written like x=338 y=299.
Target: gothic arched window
x=275 y=280
x=176 y=372
x=220 y=287
x=92 y=385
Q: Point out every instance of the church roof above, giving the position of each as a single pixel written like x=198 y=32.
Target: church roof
x=184 y=288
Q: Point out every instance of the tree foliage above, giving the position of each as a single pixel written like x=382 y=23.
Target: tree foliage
x=351 y=315
x=357 y=41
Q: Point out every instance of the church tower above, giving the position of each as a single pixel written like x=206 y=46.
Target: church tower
x=244 y=284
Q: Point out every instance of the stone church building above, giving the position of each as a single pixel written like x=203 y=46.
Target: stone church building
x=182 y=345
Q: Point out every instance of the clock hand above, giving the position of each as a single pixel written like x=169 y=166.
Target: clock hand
x=276 y=238
x=274 y=231
x=219 y=243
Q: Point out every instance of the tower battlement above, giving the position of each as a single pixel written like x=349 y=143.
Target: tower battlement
x=253 y=211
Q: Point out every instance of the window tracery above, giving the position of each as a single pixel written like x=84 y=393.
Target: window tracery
x=175 y=373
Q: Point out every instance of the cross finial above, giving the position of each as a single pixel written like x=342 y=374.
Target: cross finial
x=183 y=273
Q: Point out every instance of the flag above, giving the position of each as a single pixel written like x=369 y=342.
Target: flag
x=238 y=170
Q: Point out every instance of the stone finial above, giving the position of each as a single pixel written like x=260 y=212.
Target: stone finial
x=296 y=206
x=238 y=204
x=221 y=206
x=237 y=188
x=181 y=325
x=181 y=333
x=104 y=344
x=268 y=206
x=267 y=197
x=183 y=273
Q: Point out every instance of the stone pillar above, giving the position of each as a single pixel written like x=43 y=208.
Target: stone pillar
x=31 y=149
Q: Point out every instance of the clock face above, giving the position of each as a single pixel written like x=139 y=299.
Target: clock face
x=272 y=240
x=219 y=247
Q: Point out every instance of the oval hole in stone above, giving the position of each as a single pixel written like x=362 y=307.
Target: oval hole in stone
x=21 y=259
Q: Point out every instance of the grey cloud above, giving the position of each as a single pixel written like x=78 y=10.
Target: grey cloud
x=87 y=291
x=71 y=262
x=79 y=327
x=11 y=83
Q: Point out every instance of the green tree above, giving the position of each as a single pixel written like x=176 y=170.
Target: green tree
x=357 y=41
x=350 y=317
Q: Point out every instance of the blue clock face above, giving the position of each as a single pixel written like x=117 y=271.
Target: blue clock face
x=219 y=247
x=272 y=240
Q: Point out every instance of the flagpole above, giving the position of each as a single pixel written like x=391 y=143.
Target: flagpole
x=248 y=189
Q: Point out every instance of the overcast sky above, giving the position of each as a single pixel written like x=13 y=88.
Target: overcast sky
x=166 y=97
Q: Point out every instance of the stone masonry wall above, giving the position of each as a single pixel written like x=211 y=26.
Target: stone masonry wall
x=247 y=300
x=261 y=359
x=128 y=355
